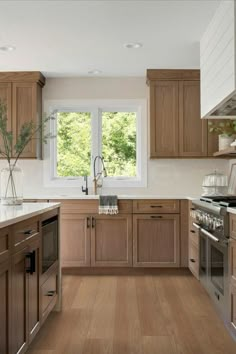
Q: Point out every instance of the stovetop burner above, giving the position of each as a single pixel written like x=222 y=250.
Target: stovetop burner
x=224 y=200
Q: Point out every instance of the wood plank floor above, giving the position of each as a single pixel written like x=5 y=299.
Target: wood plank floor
x=166 y=313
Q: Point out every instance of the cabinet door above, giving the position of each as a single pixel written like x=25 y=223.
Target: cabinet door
x=192 y=129
x=75 y=240
x=233 y=306
x=156 y=240
x=232 y=260
x=111 y=241
x=164 y=121
x=5 y=97
x=26 y=107
x=4 y=307
x=33 y=290
x=19 y=303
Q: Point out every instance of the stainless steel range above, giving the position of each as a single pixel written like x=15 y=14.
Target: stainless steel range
x=211 y=218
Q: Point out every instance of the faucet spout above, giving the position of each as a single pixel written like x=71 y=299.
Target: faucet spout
x=98 y=174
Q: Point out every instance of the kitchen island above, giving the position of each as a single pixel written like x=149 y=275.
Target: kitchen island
x=30 y=277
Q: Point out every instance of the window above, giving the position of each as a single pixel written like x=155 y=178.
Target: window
x=112 y=131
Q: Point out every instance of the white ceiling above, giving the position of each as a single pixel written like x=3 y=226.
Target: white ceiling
x=69 y=38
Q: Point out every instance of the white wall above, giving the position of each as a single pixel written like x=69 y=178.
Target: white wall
x=165 y=176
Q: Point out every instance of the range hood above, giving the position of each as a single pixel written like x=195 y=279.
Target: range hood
x=218 y=64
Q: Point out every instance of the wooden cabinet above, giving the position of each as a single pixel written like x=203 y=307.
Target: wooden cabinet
x=75 y=239
x=192 y=130
x=19 y=323
x=176 y=129
x=89 y=239
x=5 y=298
x=164 y=124
x=22 y=93
x=232 y=274
x=111 y=240
x=151 y=206
x=156 y=240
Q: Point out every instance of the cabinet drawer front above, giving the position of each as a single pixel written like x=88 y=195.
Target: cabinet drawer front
x=91 y=206
x=194 y=236
x=48 y=292
x=4 y=245
x=25 y=231
x=194 y=259
x=156 y=206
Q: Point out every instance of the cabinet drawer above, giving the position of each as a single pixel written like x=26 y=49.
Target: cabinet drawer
x=194 y=259
x=91 y=206
x=4 y=244
x=48 y=292
x=24 y=231
x=156 y=206
x=194 y=236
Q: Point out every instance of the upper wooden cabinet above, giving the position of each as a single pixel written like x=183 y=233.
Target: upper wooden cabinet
x=176 y=129
x=164 y=125
x=22 y=93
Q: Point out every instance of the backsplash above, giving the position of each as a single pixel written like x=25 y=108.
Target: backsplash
x=173 y=177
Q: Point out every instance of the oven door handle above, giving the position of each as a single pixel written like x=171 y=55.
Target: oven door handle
x=196 y=225
x=208 y=234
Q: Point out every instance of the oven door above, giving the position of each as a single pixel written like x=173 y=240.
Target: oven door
x=203 y=259
x=216 y=280
x=218 y=272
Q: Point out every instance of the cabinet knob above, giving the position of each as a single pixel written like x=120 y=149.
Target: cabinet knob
x=193 y=232
x=93 y=222
x=192 y=260
x=51 y=293
x=156 y=206
x=156 y=216
x=88 y=222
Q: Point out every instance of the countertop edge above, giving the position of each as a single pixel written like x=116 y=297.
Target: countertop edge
x=28 y=214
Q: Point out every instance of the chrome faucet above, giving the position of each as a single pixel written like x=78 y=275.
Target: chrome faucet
x=97 y=175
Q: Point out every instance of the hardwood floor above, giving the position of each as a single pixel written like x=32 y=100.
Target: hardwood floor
x=165 y=313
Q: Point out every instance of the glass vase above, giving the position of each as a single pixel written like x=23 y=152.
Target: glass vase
x=11 y=185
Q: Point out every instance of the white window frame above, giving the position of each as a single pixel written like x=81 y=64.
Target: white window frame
x=131 y=105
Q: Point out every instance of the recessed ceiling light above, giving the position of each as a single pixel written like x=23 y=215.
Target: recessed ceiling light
x=7 y=48
x=133 y=45
x=94 y=72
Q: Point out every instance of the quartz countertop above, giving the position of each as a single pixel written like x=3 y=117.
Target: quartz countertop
x=231 y=210
x=12 y=214
x=92 y=196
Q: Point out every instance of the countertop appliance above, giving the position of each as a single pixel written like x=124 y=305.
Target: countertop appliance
x=212 y=219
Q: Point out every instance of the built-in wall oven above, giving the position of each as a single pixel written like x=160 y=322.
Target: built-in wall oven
x=49 y=242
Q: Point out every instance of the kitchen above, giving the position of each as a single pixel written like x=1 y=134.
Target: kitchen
x=74 y=276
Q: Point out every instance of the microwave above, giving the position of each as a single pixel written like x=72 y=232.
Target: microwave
x=49 y=242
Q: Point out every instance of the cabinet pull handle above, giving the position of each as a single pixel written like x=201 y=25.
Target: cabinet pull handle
x=156 y=206
x=193 y=232
x=156 y=216
x=30 y=262
x=88 y=222
x=27 y=232
x=51 y=293
x=192 y=209
x=93 y=222
x=192 y=260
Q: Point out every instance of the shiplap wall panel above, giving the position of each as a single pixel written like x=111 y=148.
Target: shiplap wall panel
x=217 y=58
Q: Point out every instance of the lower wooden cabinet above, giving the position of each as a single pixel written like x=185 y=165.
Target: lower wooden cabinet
x=4 y=307
x=156 y=240
x=25 y=288
x=75 y=240
x=233 y=306
x=19 y=308
x=111 y=240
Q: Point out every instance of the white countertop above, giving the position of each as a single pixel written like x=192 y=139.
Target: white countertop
x=231 y=210
x=92 y=196
x=12 y=214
